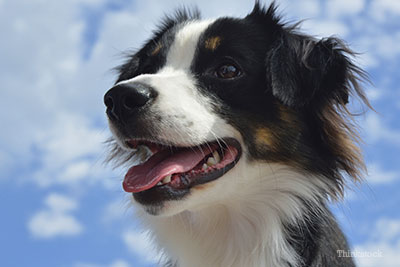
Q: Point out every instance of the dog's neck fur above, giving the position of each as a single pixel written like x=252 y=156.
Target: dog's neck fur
x=248 y=230
x=223 y=237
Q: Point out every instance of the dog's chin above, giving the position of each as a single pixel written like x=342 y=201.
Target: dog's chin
x=167 y=208
x=163 y=184
x=198 y=198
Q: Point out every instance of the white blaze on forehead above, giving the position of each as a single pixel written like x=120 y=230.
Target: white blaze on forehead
x=187 y=117
x=181 y=53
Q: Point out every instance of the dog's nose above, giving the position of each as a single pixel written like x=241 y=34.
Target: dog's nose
x=123 y=100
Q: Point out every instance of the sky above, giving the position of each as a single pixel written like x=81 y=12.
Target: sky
x=61 y=206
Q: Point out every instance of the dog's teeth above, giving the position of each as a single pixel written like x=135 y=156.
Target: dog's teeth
x=211 y=161
x=166 y=179
x=205 y=166
x=216 y=156
x=159 y=183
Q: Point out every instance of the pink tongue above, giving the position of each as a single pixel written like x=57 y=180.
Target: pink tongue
x=161 y=164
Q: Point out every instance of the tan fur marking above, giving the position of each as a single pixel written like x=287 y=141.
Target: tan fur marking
x=202 y=186
x=342 y=136
x=286 y=114
x=156 y=50
x=213 y=43
x=264 y=136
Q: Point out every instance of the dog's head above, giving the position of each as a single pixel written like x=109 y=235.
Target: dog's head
x=206 y=102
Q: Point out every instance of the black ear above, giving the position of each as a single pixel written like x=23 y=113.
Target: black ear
x=303 y=70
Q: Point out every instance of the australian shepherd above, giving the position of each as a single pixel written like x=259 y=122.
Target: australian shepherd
x=241 y=135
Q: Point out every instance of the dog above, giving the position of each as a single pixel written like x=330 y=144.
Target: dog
x=243 y=135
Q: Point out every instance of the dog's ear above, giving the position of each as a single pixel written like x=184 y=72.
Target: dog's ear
x=303 y=70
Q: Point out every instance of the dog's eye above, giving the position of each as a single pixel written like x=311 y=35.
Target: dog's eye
x=228 y=71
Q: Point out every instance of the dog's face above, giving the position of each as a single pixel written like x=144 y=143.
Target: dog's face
x=213 y=100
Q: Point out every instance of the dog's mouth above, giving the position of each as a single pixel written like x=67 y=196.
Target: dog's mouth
x=175 y=169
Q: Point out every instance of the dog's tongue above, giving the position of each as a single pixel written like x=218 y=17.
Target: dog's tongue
x=161 y=164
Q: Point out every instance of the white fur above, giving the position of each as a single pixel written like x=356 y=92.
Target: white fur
x=236 y=220
x=181 y=54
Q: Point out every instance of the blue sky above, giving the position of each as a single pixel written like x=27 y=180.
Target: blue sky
x=61 y=206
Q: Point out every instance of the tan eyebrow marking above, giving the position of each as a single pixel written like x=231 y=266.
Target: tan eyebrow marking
x=212 y=43
x=264 y=136
x=156 y=49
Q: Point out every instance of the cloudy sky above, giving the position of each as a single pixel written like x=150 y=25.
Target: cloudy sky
x=61 y=206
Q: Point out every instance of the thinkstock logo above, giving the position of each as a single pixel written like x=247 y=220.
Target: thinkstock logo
x=359 y=254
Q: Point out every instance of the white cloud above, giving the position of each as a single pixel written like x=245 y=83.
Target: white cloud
x=377 y=131
x=376 y=44
x=60 y=203
x=68 y=149
x=117 y=210
x=5 y=162
x=374 y=94
x=388 y=255
x=344 y=7
x=383 y=10
x=325 y=28
x=387 y=229
x=306 y=9
x=119 y=263
x=39 y=66
x=76 y=171
x=116 y=263
x=377 y=175
x=385 y=239
x=387 y=45
x=49 y=224
x=141 y=244
x=70 y=137
x=366 y=60
x=55 y=220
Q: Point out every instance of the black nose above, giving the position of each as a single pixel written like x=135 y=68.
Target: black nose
x=123 y=100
